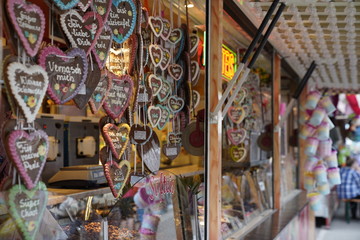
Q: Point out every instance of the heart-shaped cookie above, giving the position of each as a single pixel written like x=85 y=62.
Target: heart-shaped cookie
x=166 y=31
x=150 y=153
x=28 y=85
x=165 y=115
x=174 y=137
x=175 y=71
x=29 y=22
x=155 y=83
x=84 y=4
x=154 y=115
x=28 y=151
x=119 y=96
x=175 y=36
x=240 y=96
x=140 y=134
x=67 y=72
x=171 y=151
x=82 y=31
x=117 y=176
x=146 y=36
x=65 y=4
x=144 y=95
x=156 y=54
x=236 y=135
x=122 y=19
x=236 y=114
x=102 y=46
x=194 y=43
x=195 y=98
x=116 y=137
x=27 y=207
x=102 y=8
x=195 y=72
x=166 y=59
x=237 y=153
x=100 y=93
x=103 y=121
x=156 y=25
x=175 y=104
x=165 y=91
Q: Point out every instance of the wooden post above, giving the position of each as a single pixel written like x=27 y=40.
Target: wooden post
x=215 y=38
x=277 y=134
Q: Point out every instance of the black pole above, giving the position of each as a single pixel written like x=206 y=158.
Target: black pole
x=304 y=80
x=259 y=31
x=267 y=34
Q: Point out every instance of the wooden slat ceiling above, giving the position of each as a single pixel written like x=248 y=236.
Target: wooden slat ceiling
x=325 y=31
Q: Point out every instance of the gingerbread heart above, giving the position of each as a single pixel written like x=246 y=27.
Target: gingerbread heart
x=166 y=31
x=102 y=46
x=237 y=153
x=195 y=98
x=166 y=59
x=155 y=83
x=175 y=71
x=156 y=25
x=104 y=154
x=165 y=91
x=117 y=176
x=65 y=4
x=156 y=54
x=165 y=115
x=194 y=43
x=195 y=72
x=240 y=96
x=28 y=151
x=140 y=134
x=171 y=151
x=174 y=138
x=103 y=121
x=102 y=8
x=29 y=22
x=84 y=4
x=150 y=153
x=122 y=19
x=116 y=137
x=67 y=72
x=236 y=135
x=27 y=207
x=28 y=85
x=100 y=93
x=119 y=96
x=144 y=95
x=175 y=104
x=175 y=36
x=236 y=114
x=82 y=31
x=154 y=115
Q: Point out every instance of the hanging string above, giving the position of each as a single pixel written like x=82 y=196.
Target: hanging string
x=179 y=18
x=142 y=159
x=52 y=24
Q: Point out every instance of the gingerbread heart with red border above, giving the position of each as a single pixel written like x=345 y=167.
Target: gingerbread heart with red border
x=116 y=137
x=102 y=46
x=84 y=4
x=100 y=93
x=236 y=135
x=117 y=176
x=102 y=8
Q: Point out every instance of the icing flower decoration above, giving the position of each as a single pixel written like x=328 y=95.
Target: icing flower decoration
x=56 y=86
x=116 y=32
x=31 y=102
x=101 y=10
x=31 y=226
x=129 y=13
x=42 y=151
x=101 y=55
x=65 y=89
x=73 y=86
x=32 y=38
x=97 y=98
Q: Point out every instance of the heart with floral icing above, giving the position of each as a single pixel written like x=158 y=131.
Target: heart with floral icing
x=119 y=96
x=175 y=104
x=82 y=31
x=174 y=137
x=140 y=134
x=117 y=176
x=165 y=115
x=29 y=22
x=166 y=31
x=236 y=114
x=102 y=46
x=65 y=4
x=175 y=36
x=237 y=154
x=175 y=71
x=165 y=91
x=195 y=72
x=100 y=93
x=240 y=96
x=67 y=72
x=166 y=59
x=155 y=83
x=154 y=115
x=195 y=98
x=27 y=207
x=156 y=25
x=28 y=85
x=116 y=137
x=122 y=19
x=236 y=135
x=156 y=54
x=28 y=151
x=194 y=43
x=171 y=151
x=102 y=8
x=84 y=4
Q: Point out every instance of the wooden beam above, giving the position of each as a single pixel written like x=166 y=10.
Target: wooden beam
x=215 y=39
x=276 y=135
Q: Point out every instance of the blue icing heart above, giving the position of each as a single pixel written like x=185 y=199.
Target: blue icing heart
x=67 y=6
x=120 y=38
